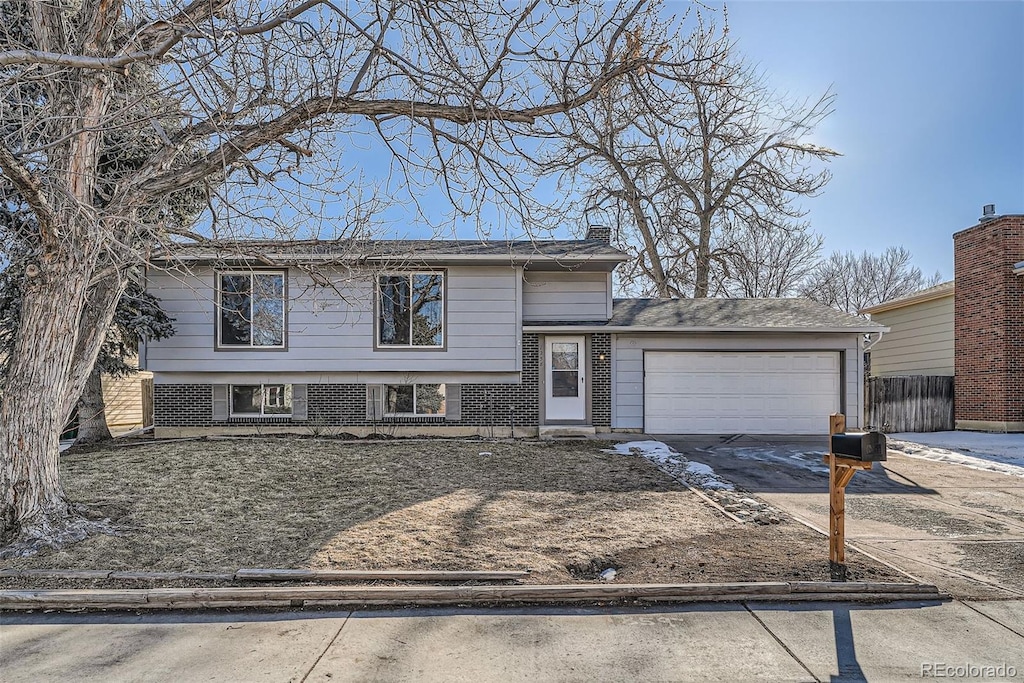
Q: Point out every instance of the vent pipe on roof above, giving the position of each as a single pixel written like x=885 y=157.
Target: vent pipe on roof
x=988 y=213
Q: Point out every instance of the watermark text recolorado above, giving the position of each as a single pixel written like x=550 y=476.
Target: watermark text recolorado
x=967 y=670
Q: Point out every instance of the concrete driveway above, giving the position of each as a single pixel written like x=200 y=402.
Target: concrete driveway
x=959 y=528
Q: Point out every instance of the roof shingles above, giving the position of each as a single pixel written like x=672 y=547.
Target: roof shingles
x=734 y=314
x=357 y=249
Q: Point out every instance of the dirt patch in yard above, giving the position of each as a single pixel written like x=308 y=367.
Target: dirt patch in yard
x=787 y=552
x=564 y=510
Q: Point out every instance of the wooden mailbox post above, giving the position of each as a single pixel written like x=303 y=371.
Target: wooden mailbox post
x=840 y=472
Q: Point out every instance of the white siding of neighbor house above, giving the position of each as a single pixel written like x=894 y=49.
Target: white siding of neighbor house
x=628 y=365
x=919 y=342
x=333 y=335
x=566 y=296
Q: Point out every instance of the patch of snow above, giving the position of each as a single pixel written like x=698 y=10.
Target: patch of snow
x=607 y=575
x=652 y=450
x=667 y=458
x=706 y=477
x=66 y=444
x=987 y=462
x=700 y=468
x=1007 y=448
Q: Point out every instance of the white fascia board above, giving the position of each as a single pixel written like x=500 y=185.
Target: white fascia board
x=625 y=329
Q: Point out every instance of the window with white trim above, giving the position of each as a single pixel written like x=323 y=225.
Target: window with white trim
x=414 y=399
x=250 y=309
x=261 y=400
x=410 y=310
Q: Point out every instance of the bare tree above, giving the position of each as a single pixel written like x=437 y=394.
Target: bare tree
x=851 y=282
x=675 y=158
x=138 y=316
x=768 y=262
x=253 y=100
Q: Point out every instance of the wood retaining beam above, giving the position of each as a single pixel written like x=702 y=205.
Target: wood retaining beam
x=308 y=596
x=362 y=576
x=257 y=574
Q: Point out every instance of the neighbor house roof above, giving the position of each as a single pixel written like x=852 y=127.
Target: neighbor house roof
x=518 y=251
x=931 y=293
x=718 y=315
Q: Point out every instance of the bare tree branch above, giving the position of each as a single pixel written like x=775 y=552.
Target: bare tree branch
x=29 y=188
x=695 y=149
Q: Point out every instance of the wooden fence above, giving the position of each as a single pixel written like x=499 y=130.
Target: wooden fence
x=910 y=404
x=147 y=402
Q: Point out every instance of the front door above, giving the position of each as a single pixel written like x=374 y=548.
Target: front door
x=566 y=396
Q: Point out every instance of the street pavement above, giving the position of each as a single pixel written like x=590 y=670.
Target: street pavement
x=950 y=640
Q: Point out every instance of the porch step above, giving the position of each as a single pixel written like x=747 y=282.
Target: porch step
x=566 y=431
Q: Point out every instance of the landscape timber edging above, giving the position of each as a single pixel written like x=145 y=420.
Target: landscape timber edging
x=260 y=574
x=316 y=596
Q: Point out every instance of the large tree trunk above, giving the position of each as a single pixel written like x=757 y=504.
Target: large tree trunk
x=703 y=274
x=63 y=319
x=92 y=414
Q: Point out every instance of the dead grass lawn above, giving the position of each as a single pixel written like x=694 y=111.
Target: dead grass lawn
x=564 y=510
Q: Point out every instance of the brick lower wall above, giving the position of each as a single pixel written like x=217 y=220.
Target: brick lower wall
x=341 y=405
x=182 y=405
x=989 y=322
x=601 y=380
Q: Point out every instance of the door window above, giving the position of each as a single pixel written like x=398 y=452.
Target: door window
x=565 y=369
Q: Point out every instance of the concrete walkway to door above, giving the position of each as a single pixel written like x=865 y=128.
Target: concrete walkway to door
x=944 y=523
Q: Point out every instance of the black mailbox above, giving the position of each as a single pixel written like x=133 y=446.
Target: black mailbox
x=865 y=446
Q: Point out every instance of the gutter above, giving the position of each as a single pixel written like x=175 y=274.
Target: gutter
x=871 y=344
x=910 y=300
x=516 y=259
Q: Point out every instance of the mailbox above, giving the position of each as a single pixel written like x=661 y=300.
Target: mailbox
x=864 y=446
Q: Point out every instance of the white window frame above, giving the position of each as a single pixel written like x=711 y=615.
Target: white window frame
x=379 y=310
x=251 y=274
x=263 y=400
x=384 y=400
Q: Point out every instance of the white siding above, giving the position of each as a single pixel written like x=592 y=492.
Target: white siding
x=332 y=333
x=628 y=365
x=565 y=296
x=920 y=341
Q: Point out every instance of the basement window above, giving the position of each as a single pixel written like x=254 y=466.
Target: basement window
x=261 y=400
x=414 y=400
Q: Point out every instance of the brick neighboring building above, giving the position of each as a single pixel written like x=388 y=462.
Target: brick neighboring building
x=989 y=325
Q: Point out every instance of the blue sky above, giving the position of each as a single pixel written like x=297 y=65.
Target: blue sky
x=929 y=116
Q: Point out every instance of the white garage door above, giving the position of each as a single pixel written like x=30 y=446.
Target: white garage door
x=787 y=392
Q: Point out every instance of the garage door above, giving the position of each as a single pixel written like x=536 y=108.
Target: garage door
x=734 y=393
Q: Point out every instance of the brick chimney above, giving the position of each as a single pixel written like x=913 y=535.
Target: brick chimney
x=599 y=232
x=989 y=325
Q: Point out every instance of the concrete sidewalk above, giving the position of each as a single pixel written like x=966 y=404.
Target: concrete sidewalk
x=728 y=642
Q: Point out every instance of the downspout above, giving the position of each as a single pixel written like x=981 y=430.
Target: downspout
x=870 y=344
x=142 y=351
